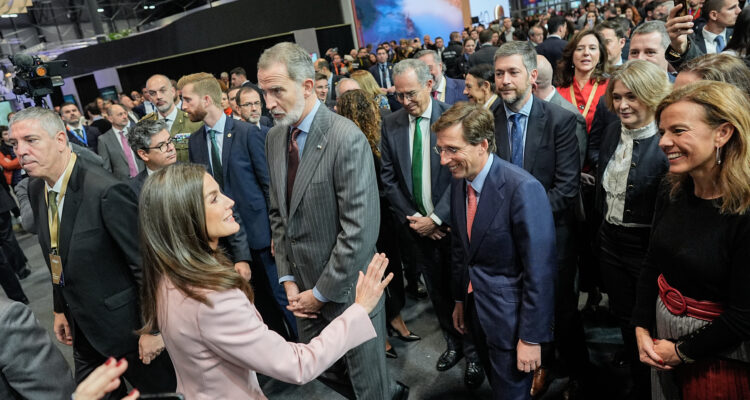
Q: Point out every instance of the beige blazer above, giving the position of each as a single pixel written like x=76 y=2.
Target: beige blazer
x=217 y=350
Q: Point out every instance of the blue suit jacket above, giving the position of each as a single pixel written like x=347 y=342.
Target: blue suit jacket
x=396 y=166
x=245 y=173
x=511 y=259
x=454 y=90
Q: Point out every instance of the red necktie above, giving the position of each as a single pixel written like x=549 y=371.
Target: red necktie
x=292 y=164
x=471 y=211
x=435 y=95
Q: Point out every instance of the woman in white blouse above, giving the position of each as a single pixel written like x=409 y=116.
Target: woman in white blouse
x=630 y=168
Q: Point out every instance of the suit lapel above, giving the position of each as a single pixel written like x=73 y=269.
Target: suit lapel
x=490 y=202
x=460 y=209
x=402 y=149
x=226 y=147
x=434 y=158
x=278 y=161
x=314 y=147
x=534 y=132
x=43 y=219
x=501 y=133
x=72 y=201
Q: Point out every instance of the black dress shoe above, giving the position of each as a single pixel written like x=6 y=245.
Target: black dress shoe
x=417 y=291
x=473 y=375
x=411 y=337
x=402 y=391
x=539 y=383
x=448 y=359
x=24 y=273
x=391 y=353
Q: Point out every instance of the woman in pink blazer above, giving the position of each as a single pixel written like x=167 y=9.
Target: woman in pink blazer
x=203 y=308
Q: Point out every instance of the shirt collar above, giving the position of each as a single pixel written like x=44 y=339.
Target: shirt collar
x=58 y=184
x=306 y=123
x=219 y=127
x=171 y=116
x=478 y=182
x=441 y=87
x=426 y=114
x=525 y=110
x=490 y=101
x=710 y=36
x=551 y=95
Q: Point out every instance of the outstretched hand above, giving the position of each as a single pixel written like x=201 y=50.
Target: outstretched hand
x=370 y=286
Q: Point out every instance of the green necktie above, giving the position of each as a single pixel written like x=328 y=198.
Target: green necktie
x=216 y=159
x=416 y=167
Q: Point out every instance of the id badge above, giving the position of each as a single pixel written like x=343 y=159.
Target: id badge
x=55 y=263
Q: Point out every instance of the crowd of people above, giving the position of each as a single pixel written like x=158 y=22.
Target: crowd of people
x=230 y=227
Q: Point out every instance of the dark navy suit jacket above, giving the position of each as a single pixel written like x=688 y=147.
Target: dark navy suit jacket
x=454 y=90
x=511 y=258
x=396 y=166
x=245 y=171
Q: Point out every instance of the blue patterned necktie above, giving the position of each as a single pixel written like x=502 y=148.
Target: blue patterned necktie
x=516 y=141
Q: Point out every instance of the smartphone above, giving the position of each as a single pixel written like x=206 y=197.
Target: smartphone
x=162 y=396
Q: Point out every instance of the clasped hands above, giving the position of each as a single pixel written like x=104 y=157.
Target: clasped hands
x=425 y=227
x=302 y=305
x=658 y=353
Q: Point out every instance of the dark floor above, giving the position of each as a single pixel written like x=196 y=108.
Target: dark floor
x=415 y=365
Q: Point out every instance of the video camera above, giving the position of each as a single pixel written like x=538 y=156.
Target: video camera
x=36 y=78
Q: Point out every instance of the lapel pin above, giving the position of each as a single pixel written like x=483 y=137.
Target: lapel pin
x=229 y=135
x=320 y=147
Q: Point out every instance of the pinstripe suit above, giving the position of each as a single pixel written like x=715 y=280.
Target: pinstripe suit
x=328 y=233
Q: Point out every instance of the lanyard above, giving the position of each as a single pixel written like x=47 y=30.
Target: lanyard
x=588 y=103
x=83 y=139
x=54 y=220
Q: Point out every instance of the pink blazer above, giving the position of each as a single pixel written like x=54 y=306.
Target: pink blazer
x=217 y=350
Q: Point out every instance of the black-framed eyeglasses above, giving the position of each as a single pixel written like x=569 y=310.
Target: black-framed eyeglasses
x=253 y=104
x=163 y=147
x=450 y=150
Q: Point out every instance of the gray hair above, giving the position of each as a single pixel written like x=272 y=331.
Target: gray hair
x=299 y=65
x=519 y=47
x=432 y=53
x=139 y=137
x=654 y=26
x=418 y=66
x=344 y=81
x=48 y=120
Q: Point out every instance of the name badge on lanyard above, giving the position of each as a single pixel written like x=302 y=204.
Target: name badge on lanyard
x=53 y=220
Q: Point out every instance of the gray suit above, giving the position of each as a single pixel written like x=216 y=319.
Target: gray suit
x=327 y=233
x=31 y=367
x=111 y=151
x=581 y=134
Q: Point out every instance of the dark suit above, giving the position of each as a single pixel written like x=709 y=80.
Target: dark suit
x=102 y=273
x=552 y=49
x=245 y=176
x=31 y=367
x=484 y=55
x=375 y=71
x=432 y=256
x=551 y=155
x=91 y=135
x=8 y=247
x=454 y=90
x=511 y=264
x=101 y=124
x=603 y=117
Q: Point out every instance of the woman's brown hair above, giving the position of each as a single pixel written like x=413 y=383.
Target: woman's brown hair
x=359 y=107
x=175 y=244
x=565 y=68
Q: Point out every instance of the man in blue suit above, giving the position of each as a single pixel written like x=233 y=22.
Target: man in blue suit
x=234 y=154
x=447 y=90
x=502 y=250
x=382 y=71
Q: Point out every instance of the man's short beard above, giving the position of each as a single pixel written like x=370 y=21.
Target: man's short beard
x=295 y=113
x=515 y=100
x=163 y=109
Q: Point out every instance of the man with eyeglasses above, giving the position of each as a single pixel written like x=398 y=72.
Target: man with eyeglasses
x=251 y=108
x=151 y=141
x=418 y=188
x=503 y=250
x=162 y=93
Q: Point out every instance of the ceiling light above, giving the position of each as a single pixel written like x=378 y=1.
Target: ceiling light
x=99 y=10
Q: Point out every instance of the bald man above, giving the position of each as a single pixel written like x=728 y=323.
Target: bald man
x=544 y=90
